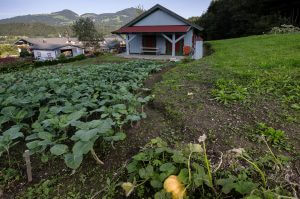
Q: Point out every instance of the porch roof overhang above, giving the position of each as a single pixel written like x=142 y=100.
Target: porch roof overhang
x=153 y=29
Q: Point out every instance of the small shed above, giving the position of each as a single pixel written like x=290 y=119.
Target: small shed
x=160 y=31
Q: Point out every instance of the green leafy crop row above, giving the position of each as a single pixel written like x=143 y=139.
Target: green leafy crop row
x=64 y=111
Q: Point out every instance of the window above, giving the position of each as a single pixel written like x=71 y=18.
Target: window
x=49 y=55
x=39 y=54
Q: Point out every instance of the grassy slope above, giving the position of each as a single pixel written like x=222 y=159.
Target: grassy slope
x=257 y=52
x=263 y=71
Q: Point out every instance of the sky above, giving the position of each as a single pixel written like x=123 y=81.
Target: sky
x=11 y=8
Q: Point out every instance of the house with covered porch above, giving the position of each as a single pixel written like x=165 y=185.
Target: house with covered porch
x=160 y=31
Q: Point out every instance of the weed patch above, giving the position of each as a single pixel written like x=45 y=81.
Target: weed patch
x=227 y=91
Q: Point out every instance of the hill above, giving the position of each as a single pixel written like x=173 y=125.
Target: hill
x=33 y=30
x=67 y=17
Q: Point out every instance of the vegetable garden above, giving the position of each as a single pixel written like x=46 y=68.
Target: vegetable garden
x=65 y=111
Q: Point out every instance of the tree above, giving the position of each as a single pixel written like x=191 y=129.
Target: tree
x=85 y=30
x=236 y=18
x=140 y=10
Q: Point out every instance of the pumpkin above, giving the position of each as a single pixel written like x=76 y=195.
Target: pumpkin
x=174 y=186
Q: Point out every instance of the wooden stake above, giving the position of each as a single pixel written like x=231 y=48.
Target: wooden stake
x=26 y=156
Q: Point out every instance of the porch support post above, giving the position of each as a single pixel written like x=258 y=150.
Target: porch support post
x=127 y=45
x=180 y=38
x=173 y=45
x=173 y=41
x=128 y=42
x=167 y=38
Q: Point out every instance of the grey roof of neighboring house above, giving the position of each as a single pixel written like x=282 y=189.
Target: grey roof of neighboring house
x=51 y=43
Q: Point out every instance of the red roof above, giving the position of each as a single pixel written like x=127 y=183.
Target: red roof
x=153 y=29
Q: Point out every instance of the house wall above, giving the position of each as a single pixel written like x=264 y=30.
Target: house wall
x=188 y=38
x=159 y=18
x=44 y=54
x=161 y=44
x=136 y=44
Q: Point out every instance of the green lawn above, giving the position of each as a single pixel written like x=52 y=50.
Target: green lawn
x=263 y=65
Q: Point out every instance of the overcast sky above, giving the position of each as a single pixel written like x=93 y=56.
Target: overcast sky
x=11 y=8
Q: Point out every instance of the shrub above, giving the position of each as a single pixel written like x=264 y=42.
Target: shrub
x=10 y=64
x=61 y=59
x=97 y=53
x=285 y=29
x=24 y=53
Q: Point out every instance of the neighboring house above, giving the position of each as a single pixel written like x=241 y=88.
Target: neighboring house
x=162 y=32
x=51 y=48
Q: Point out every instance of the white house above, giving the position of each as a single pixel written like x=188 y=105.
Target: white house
x=51 y=48
x=162 y=32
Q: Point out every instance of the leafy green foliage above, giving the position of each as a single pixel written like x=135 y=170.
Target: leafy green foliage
x=157 y=161
x=242 y=184
x=65 y=111
x=9 y=137
x=8 y=176
x=227 y=92
x=274 y=136
x=42 y=190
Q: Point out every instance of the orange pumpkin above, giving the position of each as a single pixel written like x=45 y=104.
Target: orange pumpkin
x=174 y=186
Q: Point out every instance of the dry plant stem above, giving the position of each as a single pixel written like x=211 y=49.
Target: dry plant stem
x=117 y=175
x=276 y=159
x=189 y=167
x=220 y=163
x=208 y=168
x=261 y=173
x=96 y=157
x=8 y=155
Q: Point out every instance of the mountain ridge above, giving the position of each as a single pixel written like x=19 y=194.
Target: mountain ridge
x=67 y=17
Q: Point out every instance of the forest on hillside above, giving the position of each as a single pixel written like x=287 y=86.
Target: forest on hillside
x=33 y=30
x=236 y=18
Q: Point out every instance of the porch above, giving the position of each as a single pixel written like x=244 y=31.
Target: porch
x=151 y=57
x=170 y=44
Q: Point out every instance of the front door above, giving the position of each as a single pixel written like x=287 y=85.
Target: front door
x=149 y=41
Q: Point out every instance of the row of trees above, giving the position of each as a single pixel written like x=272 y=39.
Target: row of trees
x=236 y=18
